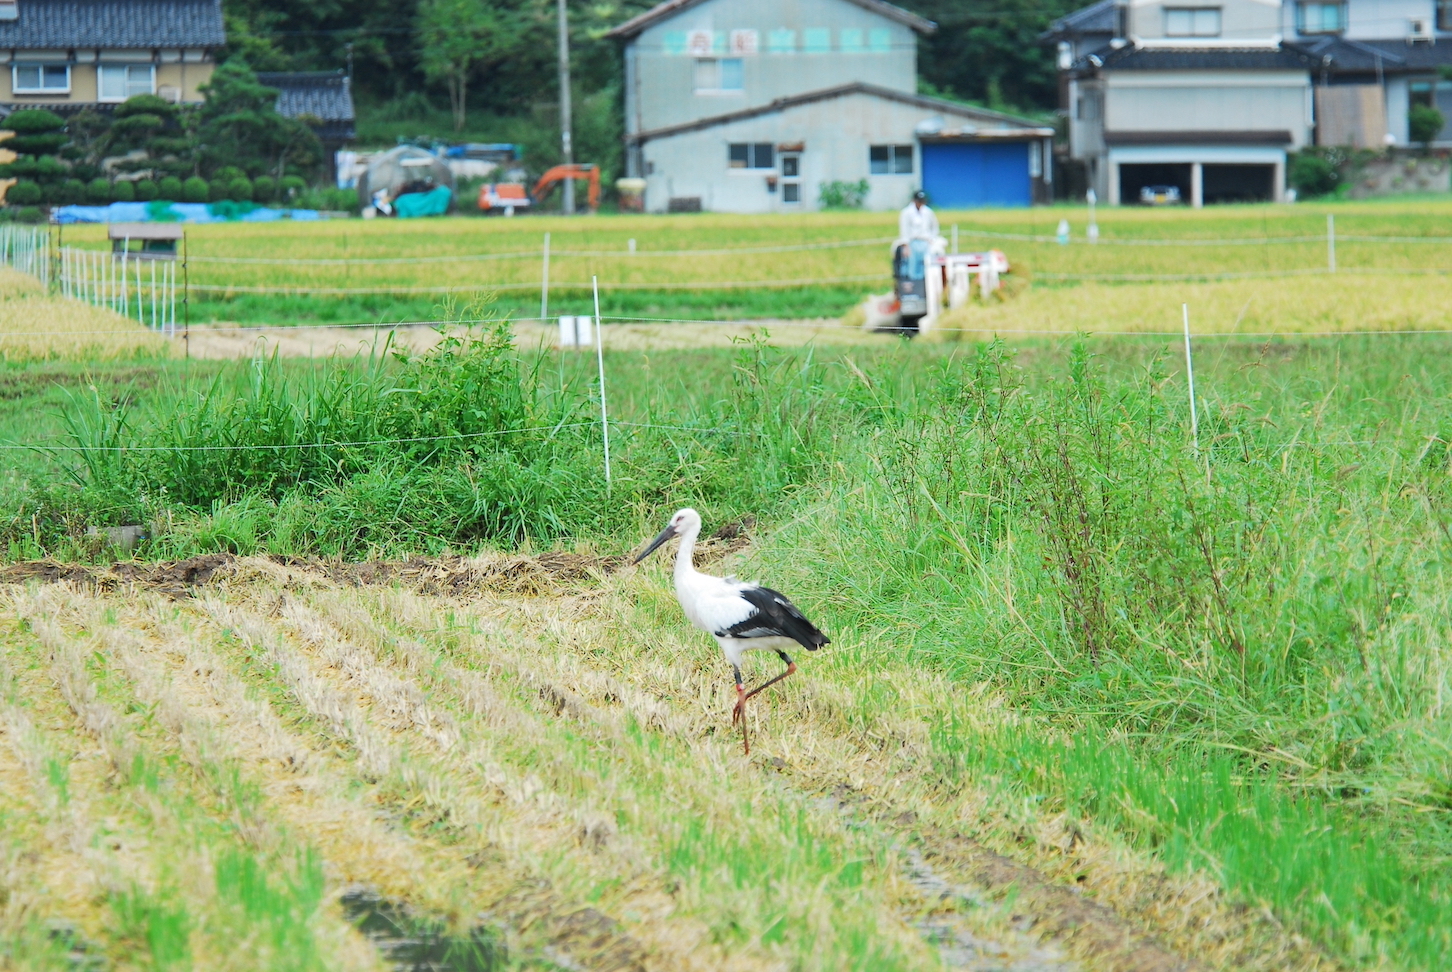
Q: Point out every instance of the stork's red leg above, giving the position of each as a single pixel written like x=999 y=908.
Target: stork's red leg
x=739 y=713
x=791 y=668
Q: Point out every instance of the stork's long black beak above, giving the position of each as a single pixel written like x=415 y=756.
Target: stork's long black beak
x=660 y=538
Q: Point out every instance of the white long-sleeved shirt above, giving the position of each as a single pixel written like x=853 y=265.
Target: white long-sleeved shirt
x=917 y=224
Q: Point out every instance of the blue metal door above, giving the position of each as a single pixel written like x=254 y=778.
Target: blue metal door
x=968 y=175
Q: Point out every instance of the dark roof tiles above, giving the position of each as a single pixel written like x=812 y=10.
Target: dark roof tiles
x=324 y=97
x=1131 y=58
x=63 y=24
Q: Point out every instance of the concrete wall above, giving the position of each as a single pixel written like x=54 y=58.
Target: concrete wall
x=1239 y=19
x=836 y=135
x=661 y=75
x=1171 y=101
x=1373 y=19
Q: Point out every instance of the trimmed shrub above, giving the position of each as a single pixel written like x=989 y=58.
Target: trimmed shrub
x=33 y=121
x=170 y=189
x=217 y=190
x=98 y=191
x=30 y=214
x=240 y=189
x=1312 y=174
x=24 y=193
x=1425 y=123
x=123 y=191
x=292 y=186
x=196 y=190
x=264 y=189
x=146 y=190
x=70 y=192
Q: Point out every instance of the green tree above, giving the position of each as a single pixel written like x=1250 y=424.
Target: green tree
x=238 y=125
x=991 y=53
x=154 y=127
x=1425 y=123
x=454 y=38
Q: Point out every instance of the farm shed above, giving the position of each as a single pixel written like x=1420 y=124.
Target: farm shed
x=775 y=158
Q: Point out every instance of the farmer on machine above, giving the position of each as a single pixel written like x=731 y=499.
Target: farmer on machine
x=917 y=225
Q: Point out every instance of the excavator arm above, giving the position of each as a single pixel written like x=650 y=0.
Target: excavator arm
x=580 y=170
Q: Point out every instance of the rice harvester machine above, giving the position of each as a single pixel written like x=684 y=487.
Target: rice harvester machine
x=920 y=286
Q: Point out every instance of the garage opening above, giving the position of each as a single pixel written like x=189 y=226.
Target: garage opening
x=1239 y=183
x=1134 y=179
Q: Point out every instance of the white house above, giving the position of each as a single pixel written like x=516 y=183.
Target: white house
x=753 y=105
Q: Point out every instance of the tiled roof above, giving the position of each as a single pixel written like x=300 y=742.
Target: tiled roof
x=51 y=24
x=1132 y=58
x=323 y=95
x=1025 y=126
x=1360 y=57
x=1097 y=18
x=670 y=8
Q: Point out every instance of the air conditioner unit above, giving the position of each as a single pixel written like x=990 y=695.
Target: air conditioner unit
x=1420 y=29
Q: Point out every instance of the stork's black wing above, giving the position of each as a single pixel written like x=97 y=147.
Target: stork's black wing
x=773 y=616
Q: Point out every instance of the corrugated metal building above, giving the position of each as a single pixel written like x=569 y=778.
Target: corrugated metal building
x=754 y=105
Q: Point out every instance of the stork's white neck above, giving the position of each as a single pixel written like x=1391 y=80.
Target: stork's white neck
x=685 y=556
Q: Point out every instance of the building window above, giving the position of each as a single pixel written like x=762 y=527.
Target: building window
x=890 y=159
x=1192 y=21
x=719 y=74
x=851 y=41
x=1320 y=18
x=781 y=41
x=791 y=192
x=117 y=82
x=674 y=42
x=41 y=78
x=818 y=40
x=880 y=41
x=750 y=155
x=1444 y=14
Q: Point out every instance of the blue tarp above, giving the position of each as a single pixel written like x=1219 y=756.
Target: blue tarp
x=164 y=212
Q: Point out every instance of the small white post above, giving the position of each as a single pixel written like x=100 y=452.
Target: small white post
x=1330 y=243
x=567 y=332
x=1190 y=375
x=1092 y=233
x=544 y=284
x=630 y=245
x=955 y=237
x=600 y=359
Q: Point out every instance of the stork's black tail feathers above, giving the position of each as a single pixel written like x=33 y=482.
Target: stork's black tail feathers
x=775 y=617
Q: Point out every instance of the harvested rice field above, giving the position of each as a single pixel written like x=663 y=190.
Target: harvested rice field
x=224 y=763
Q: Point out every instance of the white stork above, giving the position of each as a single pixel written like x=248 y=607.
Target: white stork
x=740 y=616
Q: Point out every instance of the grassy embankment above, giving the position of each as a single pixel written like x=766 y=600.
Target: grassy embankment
x=1041 y=598
x=468 y=255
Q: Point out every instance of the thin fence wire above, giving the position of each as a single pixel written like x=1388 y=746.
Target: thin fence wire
x=27 y=249
x=141 y=289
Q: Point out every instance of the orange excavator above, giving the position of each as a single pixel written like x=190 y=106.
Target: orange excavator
x=580 y=170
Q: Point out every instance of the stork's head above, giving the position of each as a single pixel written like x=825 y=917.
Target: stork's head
x=684 y=521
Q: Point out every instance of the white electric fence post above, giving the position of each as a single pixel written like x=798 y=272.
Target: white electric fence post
x=1190 y=375
x=600 y=359
x=955 y=237
x=544 y=284
x=1330 y=243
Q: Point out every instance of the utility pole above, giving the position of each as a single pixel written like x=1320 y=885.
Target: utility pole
x=567 y=149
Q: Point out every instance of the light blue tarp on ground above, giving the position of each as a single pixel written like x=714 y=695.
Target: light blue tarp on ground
x=152 y=212
x=435 y=202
